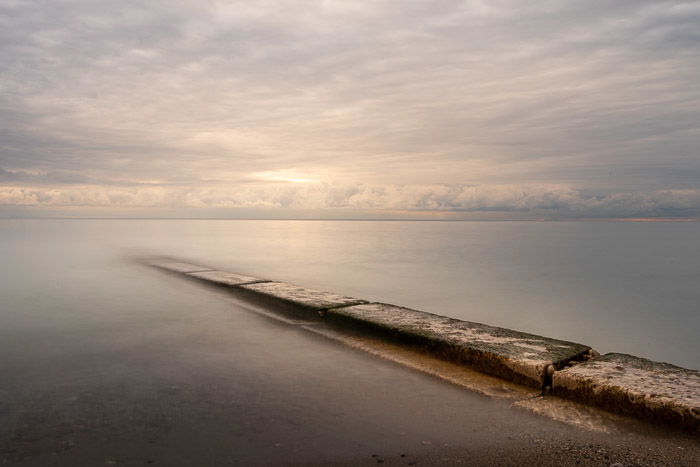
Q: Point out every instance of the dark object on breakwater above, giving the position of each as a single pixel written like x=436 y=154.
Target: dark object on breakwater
x=616 y=382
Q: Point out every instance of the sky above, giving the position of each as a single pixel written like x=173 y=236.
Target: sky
x=350 y=109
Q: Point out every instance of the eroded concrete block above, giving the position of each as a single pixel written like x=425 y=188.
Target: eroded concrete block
x=178 y=266
x=634 y=386
x=300 y=296
x=513 y=355
x=225 y=278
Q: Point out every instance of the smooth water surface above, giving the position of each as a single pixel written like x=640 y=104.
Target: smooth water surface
x=629 y=287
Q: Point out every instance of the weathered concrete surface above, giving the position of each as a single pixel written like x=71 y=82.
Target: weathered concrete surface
x=177 y=266
x=616 y=382
x=635 y=386
x=225 y=278
x=513 y=355
x=300 y=296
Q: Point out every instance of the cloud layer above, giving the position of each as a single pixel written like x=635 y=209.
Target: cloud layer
x=445 y=105
x=547 y=200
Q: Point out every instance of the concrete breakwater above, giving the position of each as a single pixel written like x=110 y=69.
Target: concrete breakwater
x=616 y=382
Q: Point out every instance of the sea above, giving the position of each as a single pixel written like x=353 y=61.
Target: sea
x=630 y=287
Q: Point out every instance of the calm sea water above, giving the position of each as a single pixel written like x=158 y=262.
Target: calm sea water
x=629 y=287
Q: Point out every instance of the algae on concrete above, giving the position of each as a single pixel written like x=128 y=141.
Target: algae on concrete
x=225 y=278
x=300 y=296
x=514 y=355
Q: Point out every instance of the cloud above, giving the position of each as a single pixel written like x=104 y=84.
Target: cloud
x=46 y=178
x=548 y=200
x=599 y=97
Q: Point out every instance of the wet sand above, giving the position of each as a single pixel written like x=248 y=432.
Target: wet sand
x=194 y=377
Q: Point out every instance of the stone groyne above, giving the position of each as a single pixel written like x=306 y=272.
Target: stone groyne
x=620 y=383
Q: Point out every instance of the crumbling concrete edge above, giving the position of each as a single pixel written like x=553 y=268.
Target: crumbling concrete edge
x=634 y=386
x=603 y=394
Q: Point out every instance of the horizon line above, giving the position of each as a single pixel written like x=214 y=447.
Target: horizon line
x=345 y=219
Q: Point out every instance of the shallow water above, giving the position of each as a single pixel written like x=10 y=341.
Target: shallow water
x=626 y=287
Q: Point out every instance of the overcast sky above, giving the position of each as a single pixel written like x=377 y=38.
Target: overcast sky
x=547 y=108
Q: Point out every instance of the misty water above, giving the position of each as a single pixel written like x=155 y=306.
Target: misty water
x=628 y=287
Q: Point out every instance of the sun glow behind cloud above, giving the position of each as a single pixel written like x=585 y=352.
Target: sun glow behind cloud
x=283 y=176
x=574 y=108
